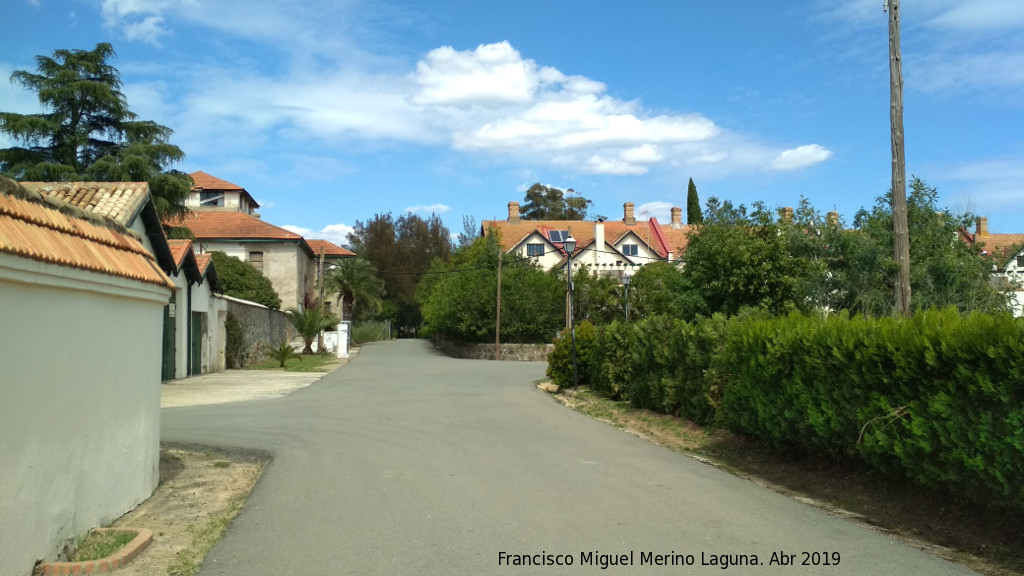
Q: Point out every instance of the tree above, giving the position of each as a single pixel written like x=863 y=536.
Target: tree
x=309 y=322
x=470 y=231
x=546 y=203
x=242 y=280
x=693 y=213
x=88 y=132
x=402 y=250
x=358 y=287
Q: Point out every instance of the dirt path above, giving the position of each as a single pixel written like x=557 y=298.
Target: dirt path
x=198 y=495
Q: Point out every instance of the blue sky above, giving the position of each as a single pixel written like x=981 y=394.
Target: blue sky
x=331 y=111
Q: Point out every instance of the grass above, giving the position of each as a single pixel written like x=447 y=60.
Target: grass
x=368 y=332
x=986 y=539
x=301 y=363
x=99 y=545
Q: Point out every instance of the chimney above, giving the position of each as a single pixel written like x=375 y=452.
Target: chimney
x=627 y=214
x=513 y=212
x=598 y=240
x=982 y=229
x=787 y=214
x=832 y=218
x=677 y=217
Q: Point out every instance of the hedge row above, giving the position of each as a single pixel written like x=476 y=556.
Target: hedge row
x=938 y=398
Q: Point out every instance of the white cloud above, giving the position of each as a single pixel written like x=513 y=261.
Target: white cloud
x=660 y=210
x=493 y=75
x=431 y=209
x=982 y=15
x=335 y=233
x=139 y=20
x=800 y=157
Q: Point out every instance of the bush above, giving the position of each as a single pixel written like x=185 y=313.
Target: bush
x=235 y=346
x=560 y=367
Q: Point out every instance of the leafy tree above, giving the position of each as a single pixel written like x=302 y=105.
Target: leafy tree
x=470 y=231
x=660 y=289
x=546 y=203
x=88 y=131
x=693 y=213
x=309 y=321
x=459 y=297
x=360 y=291
x=402 y=250
x=597 y=299
x=242 y=280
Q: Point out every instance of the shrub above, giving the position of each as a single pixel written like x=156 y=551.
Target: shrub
x=560 y=367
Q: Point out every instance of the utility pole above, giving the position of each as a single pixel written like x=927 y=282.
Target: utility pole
x=497 y=322
x=320 y=273
x=901 y=229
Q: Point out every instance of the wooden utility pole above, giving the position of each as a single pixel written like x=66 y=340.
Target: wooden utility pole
x=901 y=229
x=497 y=322
x=320 y=267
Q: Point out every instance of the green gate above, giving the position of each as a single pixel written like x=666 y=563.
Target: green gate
x=196 y=357
x=167 y=366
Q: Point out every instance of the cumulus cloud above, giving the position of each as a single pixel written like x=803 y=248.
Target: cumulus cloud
x=800 y=157
x=139 y=20
x=335 y=233
x=431 y=209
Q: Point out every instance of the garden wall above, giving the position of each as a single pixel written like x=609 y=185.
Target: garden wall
x=513 y=352
x=258 y=329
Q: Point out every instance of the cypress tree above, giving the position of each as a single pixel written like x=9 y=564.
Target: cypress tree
x=693 y=213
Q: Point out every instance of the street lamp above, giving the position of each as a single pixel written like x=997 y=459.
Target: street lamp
x=625 y=284
x=570 y=246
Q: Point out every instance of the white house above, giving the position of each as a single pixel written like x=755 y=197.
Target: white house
x=81 y=304
x=1008 y=250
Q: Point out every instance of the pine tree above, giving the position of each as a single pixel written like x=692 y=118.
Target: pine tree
x=693 y=213
x=88 y=132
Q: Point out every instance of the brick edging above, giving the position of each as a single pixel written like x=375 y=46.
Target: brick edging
x=143 y=536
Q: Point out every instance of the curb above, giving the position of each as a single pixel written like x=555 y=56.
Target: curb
x=143 y=537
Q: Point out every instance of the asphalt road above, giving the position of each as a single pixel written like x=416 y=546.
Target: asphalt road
x=408 y=462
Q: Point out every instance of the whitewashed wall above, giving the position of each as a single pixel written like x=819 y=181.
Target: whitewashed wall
x=79 y=404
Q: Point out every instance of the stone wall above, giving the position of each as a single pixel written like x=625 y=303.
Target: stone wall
x=262 y=328
x=514 y=352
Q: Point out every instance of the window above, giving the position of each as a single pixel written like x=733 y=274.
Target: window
x=211 y=198
x=558 y=235
x=1020 y=261
x=534 y=250
x=256 y=259
x=629 y=249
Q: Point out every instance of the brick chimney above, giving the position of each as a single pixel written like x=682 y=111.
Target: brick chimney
x=832 y=218
x=787 y=214
x=677 y=217
x=513 y=213
x=982 y=228
x=627 y=214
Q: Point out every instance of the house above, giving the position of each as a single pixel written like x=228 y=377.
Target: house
x=1008 y=251
x=334 y=255
x=211 y=194
x=196 y=332
x=81 y=305
x=608 y=248
x=130 y=204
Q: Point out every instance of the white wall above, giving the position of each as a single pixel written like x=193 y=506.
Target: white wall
x=288 y=267
x=79 y=404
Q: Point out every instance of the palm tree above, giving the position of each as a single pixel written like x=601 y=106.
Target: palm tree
x=309 y=322
x=356 y=283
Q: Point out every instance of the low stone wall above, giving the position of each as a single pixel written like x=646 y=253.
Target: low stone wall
x=262 y=328
x=514 y=352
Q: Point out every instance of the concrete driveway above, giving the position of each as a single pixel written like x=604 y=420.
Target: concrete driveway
x=409 y=462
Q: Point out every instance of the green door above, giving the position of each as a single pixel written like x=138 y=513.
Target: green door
x=167 y=368
x=196 y=357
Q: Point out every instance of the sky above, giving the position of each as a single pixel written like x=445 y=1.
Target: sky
x=329 y=112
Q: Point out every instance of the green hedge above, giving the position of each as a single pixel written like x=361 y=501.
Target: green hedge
x=938 y=398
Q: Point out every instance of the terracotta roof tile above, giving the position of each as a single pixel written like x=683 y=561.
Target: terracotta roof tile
x=675 y=239
x=118 y=201
x=330 y=249
x=31 y=230
x=179 y=250
x=207 y=182
x=1000 y=245
x=203 y=261
x=231 y=226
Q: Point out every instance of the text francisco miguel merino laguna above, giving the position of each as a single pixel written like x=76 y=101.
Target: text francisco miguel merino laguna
x=723 y=561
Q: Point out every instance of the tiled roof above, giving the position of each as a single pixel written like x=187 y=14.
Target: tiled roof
x=330 y=249
x=207 y=182
x=203 y=261
x=180 y=249
x=1000 y=245
x=30 y=229
x=231 y=226
x=675 y=239
x=118 y=201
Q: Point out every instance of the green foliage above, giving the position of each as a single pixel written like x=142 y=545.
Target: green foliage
x=693 y=213
x=360 y=290
x=598 y=299
x=459 y=297
x=560 y=368
x=369 y=332
x=402 y=250
x=547 y=203
x=235 y=345
x=282 y=353
x=242 y=280
x=309 y=321
x=660 y=288
x=88 y=132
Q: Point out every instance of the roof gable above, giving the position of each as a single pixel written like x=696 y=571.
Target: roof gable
x=330 y=249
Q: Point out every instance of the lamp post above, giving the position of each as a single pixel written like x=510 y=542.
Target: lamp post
x=570 y=247
x=625 y=284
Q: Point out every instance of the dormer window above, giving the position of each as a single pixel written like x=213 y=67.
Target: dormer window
x=558 y=235
x=630 y=249
x=211 y=199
